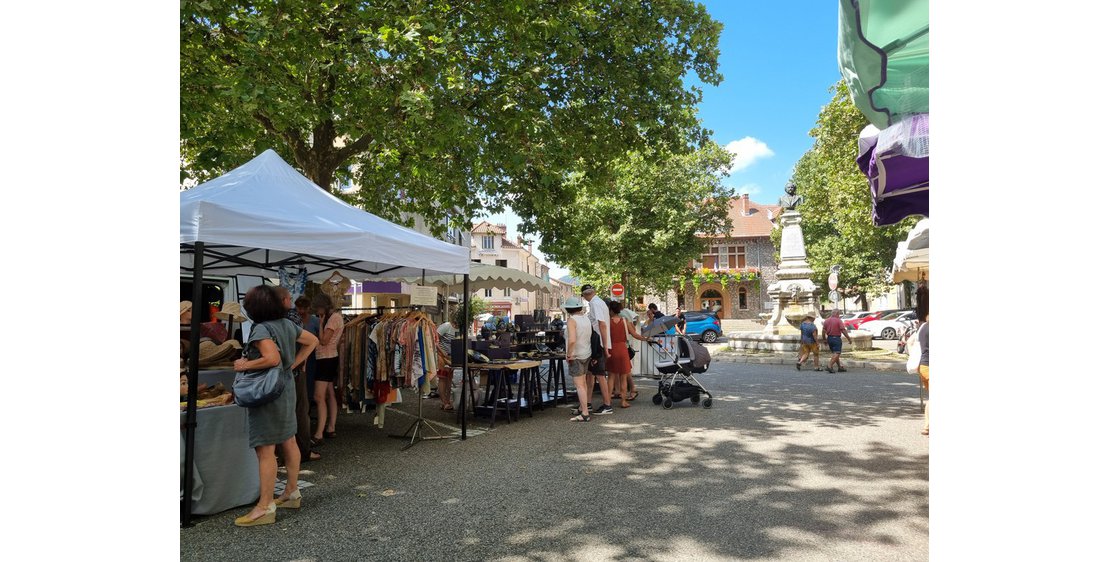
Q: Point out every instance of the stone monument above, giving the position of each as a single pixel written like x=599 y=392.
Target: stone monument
x=794 y=294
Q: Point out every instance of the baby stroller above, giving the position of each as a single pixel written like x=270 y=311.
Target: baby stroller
x=678 y=382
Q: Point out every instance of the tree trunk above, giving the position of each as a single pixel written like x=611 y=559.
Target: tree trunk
x=863 y=301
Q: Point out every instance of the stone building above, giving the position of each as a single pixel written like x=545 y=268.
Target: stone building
x=490 y=245
x=747 y=256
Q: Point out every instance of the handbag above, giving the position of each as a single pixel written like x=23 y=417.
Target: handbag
x=258 y=388
x=915 y=355
x=631 y=353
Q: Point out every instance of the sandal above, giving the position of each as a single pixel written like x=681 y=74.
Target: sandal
x=447 y=407
x=580 y=418
x=633 y=396
x=312 y=456
x=329 y=434
x=625 y=405
x=925 y=431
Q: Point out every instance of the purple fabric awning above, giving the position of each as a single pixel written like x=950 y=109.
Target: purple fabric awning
x=896 y=163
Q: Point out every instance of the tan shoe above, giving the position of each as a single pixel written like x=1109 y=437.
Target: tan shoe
x=292 y=502
x=269 y=518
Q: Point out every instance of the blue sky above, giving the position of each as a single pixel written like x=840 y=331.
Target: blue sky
x=778 y=60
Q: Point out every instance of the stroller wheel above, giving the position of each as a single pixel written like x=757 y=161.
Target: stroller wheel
x=707 y=402
x=667 y=404
x=657 y=399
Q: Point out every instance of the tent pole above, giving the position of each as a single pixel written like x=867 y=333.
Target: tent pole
x=194 y=367
x=466 y=356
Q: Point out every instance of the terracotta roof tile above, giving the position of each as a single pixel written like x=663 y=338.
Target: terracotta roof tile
x=755 y=223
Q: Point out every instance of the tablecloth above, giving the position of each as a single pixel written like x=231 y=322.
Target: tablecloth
x=225 y=467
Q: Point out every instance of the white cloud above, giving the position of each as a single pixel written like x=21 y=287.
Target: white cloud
x=750 y=188
x=746 y=151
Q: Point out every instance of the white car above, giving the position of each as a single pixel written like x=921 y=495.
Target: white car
x=891 y=326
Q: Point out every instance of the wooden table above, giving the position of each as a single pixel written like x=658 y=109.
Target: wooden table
x=498 y=383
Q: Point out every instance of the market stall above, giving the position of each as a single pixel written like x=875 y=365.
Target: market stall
x=263 y=216
x=883 y=56
x=911 y=261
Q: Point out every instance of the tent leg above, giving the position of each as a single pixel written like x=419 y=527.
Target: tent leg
x=194 y=367
x=466 y=356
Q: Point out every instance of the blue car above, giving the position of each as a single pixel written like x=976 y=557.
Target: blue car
x=704 y=326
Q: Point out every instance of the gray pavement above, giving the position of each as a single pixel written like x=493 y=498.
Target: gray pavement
x=786 y=465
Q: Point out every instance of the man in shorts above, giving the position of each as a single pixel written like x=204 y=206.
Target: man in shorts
x=598 y=313
x=809 y=344
x=834 y=330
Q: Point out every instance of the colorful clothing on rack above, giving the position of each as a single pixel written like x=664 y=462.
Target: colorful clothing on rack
x=293 y=280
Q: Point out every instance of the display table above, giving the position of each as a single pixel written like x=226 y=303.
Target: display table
x=225 y=473
x=499 y=393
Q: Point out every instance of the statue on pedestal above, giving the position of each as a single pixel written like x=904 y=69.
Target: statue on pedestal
x=791 y=200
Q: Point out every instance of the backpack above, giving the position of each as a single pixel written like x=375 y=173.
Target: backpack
x=597 y=351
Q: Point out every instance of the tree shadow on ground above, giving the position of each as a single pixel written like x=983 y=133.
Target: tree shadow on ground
x=778 y=470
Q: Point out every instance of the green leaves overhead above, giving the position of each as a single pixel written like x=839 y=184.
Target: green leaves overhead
x=644 y=220
x=836 y=210
x=438 y=105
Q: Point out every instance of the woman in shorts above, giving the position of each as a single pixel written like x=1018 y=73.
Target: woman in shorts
x=578 y=354
x=327 y=366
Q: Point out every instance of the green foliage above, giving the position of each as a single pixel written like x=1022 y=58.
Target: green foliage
x=836 y=210
x=478 y=306
x=436 y=106
x=644 y=220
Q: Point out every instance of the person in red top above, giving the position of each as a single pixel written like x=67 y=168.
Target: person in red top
x=834 y=331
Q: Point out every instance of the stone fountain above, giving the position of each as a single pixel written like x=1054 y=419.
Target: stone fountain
x=794 y=294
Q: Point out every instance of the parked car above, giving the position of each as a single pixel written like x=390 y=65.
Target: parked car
x=853 y=324
x=703 y=325
x=852 y=316
x=857 y=323
x=891 y=326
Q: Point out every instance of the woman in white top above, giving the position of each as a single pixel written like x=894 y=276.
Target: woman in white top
x=578 y=332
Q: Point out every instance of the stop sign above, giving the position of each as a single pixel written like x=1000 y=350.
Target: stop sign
x=617 y=290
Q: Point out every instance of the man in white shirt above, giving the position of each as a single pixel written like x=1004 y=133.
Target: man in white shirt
x=599 y=319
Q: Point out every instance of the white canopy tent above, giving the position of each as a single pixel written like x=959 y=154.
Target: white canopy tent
x=264 y=215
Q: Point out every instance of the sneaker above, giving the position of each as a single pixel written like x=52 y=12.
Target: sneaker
x=843 y=370
x=605 y=409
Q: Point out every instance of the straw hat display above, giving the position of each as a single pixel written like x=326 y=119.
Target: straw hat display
x=211 y=354
x=231 y=311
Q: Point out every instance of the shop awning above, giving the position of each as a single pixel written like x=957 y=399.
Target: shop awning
x=911 y=262
x=486 y=276
x=265 y=214
x=884 y=56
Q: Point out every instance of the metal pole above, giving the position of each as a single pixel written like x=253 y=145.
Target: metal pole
x=466 y=347
x=194 y=367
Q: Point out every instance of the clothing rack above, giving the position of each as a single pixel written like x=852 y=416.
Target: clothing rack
x=413 y=433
